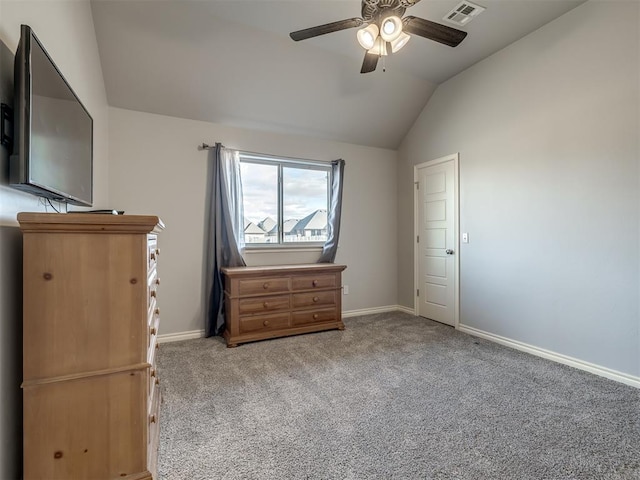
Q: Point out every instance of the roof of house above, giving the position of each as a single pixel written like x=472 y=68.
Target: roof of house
x=314 y=221
x=289 y=225
x=267 y=224
x=252 y=228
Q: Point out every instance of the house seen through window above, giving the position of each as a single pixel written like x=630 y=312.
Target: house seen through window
x=285 y=201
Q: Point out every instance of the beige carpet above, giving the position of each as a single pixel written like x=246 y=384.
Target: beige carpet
x=391 y=397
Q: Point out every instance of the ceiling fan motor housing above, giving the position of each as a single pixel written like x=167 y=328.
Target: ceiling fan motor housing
x=374 y=10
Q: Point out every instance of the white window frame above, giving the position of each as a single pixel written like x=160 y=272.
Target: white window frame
x=281 y=162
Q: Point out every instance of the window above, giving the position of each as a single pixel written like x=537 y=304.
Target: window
x=285 y=201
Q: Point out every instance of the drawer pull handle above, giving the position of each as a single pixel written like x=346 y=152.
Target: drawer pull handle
x=157 y=281
x=153 y=373
x=314 y=283
x=315 y=316
x=265 y=323
x=265 y=285
x=315 y=299
x=265 y=304
x=153 y=255
x=157 y=311
x=153 y=330
x=153 y=293
x=152 y=419
x=157 y=381
x=157 y=251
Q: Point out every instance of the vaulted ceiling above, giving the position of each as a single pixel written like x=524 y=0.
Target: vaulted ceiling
x=232 y=62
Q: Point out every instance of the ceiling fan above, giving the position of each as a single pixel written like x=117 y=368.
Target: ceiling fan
x=385 y=31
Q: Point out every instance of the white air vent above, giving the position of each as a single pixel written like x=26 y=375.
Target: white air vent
x=464 y=13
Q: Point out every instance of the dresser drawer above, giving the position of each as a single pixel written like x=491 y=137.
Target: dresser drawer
x=263 y=323
x=263 y=285
x=153 y=435
x=263 y=304
x=152 y=294
x=153 y=331
x=313 y=299
x=154 y=410
x=152 y=350
x=154 y=385
x=316 y=281
x=152 y=251
x=314 y=316
x=153 y=313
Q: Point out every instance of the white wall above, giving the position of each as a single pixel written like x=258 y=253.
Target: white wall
x=156 y=168
x=66 y=30
x=547 y=131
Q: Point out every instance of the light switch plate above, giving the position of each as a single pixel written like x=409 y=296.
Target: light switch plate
x=465 y=238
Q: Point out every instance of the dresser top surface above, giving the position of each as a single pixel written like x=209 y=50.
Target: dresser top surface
x=310 y=268
x=88 y=222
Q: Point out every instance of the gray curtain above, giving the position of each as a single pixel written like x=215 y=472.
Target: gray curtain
x=225 y=231
x=335 y=213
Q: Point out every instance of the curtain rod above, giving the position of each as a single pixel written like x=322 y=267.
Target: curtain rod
x=206 y=146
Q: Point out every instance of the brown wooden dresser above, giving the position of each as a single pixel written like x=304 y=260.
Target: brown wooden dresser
x=90 y=389
x=276 y=301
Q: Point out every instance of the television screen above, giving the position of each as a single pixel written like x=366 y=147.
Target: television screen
x=54 y=132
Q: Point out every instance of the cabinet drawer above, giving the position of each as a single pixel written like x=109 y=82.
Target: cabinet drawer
x=263 y=285
x=263 y=323
x=152 y=292
x=154 y=409
x=153 y=280
x=153 y=436
x=153 y=313
x=313 y=281
x=154 y=385
x=152 y=251
x=153 y=330
x=314 y=316
x=263 y=304
x=314 y=299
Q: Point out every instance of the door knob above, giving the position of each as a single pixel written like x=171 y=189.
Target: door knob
x=449 y=251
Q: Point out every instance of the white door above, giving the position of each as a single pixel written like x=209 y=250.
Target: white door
x=436 y=240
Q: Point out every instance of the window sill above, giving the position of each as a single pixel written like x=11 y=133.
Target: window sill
x=282 y=249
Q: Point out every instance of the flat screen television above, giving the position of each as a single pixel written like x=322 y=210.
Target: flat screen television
x=53 y=132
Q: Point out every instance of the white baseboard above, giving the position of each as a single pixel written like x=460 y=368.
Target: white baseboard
x=371 y=311
x=556 y=357
x=178 y=337
x=402 y=308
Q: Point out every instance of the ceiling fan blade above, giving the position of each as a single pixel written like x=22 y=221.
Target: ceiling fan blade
x=324 y=29
x=433 y=31
x=370 y=62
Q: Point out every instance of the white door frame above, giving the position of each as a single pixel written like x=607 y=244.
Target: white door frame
x=456 y=229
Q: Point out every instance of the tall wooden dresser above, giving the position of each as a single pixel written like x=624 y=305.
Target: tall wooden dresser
x=91 y=399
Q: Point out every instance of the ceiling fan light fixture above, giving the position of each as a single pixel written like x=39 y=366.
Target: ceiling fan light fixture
x=379 y=47
x=367 y=36
x=400 y=42
x=390 y=28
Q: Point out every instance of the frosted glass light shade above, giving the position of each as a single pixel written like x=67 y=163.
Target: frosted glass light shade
x=390 y=28
x=379 y=47
x=367 y=36
x=400 y=42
